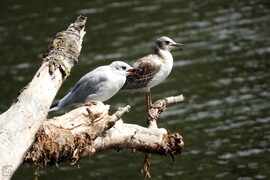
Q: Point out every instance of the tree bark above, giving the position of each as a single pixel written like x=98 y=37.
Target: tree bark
x=90 y=129
x=19 y=124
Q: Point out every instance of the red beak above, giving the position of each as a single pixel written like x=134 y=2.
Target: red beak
x=134 y=71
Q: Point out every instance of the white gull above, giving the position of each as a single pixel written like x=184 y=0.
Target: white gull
x=152 y=69
x=98 y=85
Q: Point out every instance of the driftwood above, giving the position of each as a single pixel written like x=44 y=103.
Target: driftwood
x=19 y=124
x=80 y=133
x=90 y=129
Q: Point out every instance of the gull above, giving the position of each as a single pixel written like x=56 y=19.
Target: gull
x=98 y=85
x=152 y=69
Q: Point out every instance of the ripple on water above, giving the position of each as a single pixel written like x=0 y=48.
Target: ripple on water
x=120 y=4
x=243 y=153
x=90 y=11
x=147 y=9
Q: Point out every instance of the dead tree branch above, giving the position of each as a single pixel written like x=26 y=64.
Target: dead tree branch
x=157 y=108
x=19 y=124
x=75 y=135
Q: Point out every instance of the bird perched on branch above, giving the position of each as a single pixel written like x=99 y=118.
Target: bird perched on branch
x=152 y=69
x=98 y=85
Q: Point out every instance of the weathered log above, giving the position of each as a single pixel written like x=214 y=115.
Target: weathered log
x=90 y=129
x=19 y=124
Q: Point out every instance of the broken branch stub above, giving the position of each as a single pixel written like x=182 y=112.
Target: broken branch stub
x=65 y=48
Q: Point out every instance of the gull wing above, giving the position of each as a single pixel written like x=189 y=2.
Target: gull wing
x=147 y=69
x=88 y=84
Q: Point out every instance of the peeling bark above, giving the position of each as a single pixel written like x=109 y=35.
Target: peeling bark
x=19 y=124
x=89 y=129
x=77 y=135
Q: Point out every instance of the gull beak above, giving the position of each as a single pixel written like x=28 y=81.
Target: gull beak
x=177 y=46
x=134 y=71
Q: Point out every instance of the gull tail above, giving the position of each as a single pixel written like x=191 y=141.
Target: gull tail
x=54 y=107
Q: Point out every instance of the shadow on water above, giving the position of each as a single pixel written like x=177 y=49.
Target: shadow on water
x=223 y=73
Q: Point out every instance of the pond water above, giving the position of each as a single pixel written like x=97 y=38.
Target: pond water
x=223 y=73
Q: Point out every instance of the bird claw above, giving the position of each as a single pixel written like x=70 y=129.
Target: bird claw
x=156 y=105
x=155 y=109
x=152 y=113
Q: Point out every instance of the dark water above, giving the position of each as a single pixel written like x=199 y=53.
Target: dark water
x=223 y=73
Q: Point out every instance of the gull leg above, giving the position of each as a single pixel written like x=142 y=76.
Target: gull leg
x=148 y=100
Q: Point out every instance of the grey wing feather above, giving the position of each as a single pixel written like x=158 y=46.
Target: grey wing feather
x=83 y=88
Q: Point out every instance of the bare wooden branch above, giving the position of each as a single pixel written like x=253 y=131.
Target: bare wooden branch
x=19 y=124
x=64 y=137
x=75 y=135
x=160 y=106
x=121 y=112
x=157 y=108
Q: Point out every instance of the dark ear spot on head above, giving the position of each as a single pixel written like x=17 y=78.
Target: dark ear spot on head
x=159 y=44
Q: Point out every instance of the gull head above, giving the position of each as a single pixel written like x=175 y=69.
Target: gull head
x=122 y=68
x=167 y=44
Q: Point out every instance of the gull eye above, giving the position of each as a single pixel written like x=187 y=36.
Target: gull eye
x=167 y=42
x=124 y=67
